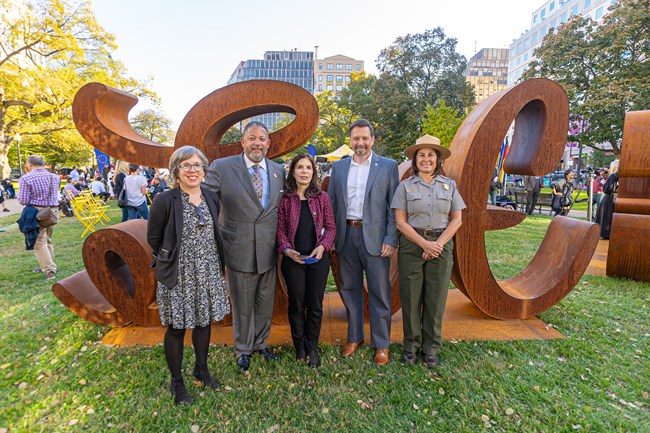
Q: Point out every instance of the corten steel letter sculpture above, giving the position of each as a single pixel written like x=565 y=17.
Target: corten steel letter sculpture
x=118 y=275
x=541 y=112
x=629 y=241
x=118 y=286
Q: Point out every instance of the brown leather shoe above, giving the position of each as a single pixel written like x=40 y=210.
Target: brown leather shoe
x=381 y=356
x=350 y=349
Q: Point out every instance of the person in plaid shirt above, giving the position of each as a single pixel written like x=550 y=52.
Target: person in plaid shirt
x=39 y=188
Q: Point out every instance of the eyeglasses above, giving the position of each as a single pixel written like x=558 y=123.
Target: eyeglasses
x=188 y=167
x=199 y=213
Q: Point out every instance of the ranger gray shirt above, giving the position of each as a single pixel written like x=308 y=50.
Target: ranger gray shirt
x=428 y=205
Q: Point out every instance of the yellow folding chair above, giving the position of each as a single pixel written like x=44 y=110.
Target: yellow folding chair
x=89 y=211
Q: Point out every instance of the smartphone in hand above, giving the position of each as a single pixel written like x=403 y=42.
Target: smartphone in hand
x=308 y=260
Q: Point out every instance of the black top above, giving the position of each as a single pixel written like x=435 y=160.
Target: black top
x=305 y=239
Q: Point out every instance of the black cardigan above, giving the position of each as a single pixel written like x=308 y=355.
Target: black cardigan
x=165 y=227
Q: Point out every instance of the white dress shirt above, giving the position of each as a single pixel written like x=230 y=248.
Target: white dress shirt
x=357 y=180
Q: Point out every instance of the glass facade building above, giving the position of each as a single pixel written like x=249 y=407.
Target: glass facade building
x=544 y=20
x=296 y=67
x=487 y=70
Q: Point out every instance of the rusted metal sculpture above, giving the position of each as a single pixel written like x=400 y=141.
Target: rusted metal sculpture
x=629 y=242
x=541 y=113
x=101 y=112
x=118 y=286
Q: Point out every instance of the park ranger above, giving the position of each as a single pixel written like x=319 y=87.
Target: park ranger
x=427 y=213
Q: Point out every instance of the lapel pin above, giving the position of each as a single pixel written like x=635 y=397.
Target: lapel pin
x=446 y=187
x=275 y=175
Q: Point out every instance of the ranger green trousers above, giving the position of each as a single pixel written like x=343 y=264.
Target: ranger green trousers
x=423 y=287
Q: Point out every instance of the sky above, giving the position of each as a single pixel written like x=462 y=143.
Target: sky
x=190 y=48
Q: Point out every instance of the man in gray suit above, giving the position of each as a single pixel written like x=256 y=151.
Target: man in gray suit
x=250 y=187
x=361 y=189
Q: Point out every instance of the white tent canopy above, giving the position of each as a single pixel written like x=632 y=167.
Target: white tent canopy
x=338 y=153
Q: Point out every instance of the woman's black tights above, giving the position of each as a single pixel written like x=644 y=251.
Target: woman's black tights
x=174 y=348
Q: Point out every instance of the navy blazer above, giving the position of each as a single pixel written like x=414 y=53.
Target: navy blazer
x=165 y=227
x=28 y=224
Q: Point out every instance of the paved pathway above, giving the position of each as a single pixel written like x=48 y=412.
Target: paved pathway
x=13 y=206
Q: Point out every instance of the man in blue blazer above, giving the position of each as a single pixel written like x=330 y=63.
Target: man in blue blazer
x=361 y=189
x=250 y=187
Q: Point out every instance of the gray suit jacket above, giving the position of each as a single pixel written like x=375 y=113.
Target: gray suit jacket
x=532 y=184
x=248 y=230
x=378 y=219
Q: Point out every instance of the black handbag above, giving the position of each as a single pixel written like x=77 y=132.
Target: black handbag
x=121 y=199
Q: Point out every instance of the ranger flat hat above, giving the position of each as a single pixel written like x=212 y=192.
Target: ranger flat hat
x=427 y=142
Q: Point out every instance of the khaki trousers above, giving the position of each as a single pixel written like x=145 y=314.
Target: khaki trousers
x=423 y=287
x=44 y=250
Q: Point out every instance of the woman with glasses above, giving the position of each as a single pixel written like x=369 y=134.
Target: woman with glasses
x=183 y=233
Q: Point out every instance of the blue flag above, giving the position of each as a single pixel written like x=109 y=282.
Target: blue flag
x=102 y=159
x=311 y=150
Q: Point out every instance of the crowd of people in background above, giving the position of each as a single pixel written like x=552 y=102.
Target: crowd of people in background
x=147 y=183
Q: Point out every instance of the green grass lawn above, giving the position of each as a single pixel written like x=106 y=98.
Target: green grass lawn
x=55 y=376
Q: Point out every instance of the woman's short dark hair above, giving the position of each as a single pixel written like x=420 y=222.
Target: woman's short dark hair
x=568 y=171
x=313 y=189
x=439 y=161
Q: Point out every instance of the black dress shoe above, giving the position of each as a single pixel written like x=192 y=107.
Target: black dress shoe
x=202 y=374
x=431 y=361
x=179 y=392
x=243 y=362
x=268 y=355
x=314 y=359
x=409 y=358
x=301 y=354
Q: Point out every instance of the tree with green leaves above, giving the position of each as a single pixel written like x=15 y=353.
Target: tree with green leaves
x=48 y=50
x=604 y=69
x=358 y=96
x=415 y=71
x=154 y=125
x=442 y=122
x=334 y=121
x=232 y=135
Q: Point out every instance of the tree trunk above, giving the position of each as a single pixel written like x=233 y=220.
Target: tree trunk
x=5 y=169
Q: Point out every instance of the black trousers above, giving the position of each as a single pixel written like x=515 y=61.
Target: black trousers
x=103 y=195
x=306 y=288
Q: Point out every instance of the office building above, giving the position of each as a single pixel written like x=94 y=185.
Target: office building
x=334 y=73
x=295 y=67
x=545 y=19
x=487 y=70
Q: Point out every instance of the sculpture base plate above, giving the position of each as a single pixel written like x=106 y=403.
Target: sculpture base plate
x=462 y=321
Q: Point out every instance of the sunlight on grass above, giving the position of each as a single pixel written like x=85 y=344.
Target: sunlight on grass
x=55 y=376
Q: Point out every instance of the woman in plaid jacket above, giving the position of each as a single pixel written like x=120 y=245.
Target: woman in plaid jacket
x=306 y=233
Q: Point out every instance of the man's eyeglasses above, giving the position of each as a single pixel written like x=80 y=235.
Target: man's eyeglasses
x=199 y=213
x=188 y=167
